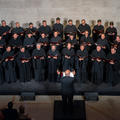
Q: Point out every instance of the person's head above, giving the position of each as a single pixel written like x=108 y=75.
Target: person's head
x=99 y=22
x=8 y=48
x=3 y=22
x=98 y=48
x=29 y=35
x=17 y=24
x=55 y=34
x=82 y=47
x=43 y=35
x=69 y=45
x=102 y=36
x=38 y=46
x=113 y=50
x=30 y=25
x=22 y=49
x=71 y=36
x=67 y=73
x=53 y=47
x=10 y=105
x=83 y=22
x=70 y=22
x=111 y=24
x=86 y=33
x=44 y=22
x=21 y=109
x=0 y=37
x=57 y=20
x=15 y=35
x=118 y=38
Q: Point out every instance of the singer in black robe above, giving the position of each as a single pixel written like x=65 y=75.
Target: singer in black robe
x=111 y=33
x=58 y=27
x=39 y=63
x=24 y=65
x=9 y=65
x=53 y=63
x=82 y=28
x=81 y=62
x=44 y=41
x=70 y=28
x=97 y=71
x=112 y=67
x=97 y=30
x=68 y=57
x=45 y=29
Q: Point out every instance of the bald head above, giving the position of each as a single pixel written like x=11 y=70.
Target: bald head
x=67 y=73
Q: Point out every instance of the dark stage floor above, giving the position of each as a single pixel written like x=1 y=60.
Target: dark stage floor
x=46 y=88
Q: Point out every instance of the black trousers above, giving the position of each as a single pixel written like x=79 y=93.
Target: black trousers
x=67 y=103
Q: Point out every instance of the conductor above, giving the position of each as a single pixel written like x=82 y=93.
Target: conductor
x=67 y=91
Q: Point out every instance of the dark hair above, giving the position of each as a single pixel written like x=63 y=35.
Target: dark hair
x=30 y=23
x=3 y=21
x=21 y=109
x=57 y=18
x=10 y=105
x=111 y=23
x=99 y=20
x=70 y=20
x=44 y=21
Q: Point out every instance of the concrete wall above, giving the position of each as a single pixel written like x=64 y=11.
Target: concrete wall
x=37 y=10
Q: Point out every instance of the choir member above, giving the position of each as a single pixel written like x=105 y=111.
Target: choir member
x=29 y=41
x=70 y=28
x=5 y=30
x=9 y=65
x=82 y=28
x=103 y=42
x=97 y=30
x=88 y=41
x=18 y=29
x=24 y=65
x=58 y=27
x=68 y=57
x=81 y=64
x=73 y=41
x=111 y=33
x=15 y=42
x=44 y=28
x=39 y=62
x=56 y=40
x=97 y=58
x=53 y=63
x=112 y=67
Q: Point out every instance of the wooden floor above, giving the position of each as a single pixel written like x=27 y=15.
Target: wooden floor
x=107 y=108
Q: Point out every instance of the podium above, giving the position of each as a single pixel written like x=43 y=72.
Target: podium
x=78 y=112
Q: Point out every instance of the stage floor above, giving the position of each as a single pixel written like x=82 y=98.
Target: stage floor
x=47 y=88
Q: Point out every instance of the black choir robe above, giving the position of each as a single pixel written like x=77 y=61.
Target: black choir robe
x=70 y=29
x=112 y=69
x=81 y=65
x=82 y=28
x=56 y=41
x=39 y=64
x=109 y=34
x=29 y=43
x=46 y=30
x=68 y=63
x=9 y=67
x=3 y=30
x=59 y=28
x=98 y=30
x=97 y=71
x=24 y=68
x=53 y=65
